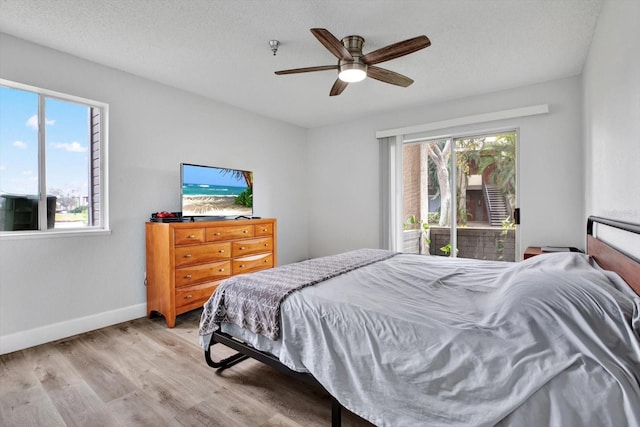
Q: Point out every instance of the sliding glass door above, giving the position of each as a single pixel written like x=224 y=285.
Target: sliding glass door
x=459 y=195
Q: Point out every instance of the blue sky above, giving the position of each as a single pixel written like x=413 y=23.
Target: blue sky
x=210 y=175
x=66 y=140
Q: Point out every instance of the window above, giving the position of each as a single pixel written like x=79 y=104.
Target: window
x=450 y=196
x=52 y=169
x=459 y=195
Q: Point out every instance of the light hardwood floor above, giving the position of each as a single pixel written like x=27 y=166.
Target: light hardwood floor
x=140 y=373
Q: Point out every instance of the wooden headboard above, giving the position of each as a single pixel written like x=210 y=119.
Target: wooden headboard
x=611 y=258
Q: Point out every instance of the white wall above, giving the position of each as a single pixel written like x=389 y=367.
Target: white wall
x=612 y=113
x=344 y=211
x=53 y=287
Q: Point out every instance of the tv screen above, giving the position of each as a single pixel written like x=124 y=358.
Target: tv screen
x=216 y=192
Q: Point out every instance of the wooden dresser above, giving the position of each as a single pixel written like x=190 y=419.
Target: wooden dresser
x=187 y=260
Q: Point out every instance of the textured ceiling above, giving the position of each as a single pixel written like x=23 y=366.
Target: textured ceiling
x=220 y=49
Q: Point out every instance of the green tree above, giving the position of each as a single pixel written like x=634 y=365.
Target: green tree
x=246 y=197
x=494 y=154
x=504 y=160
x=467 y=157
x=440 y=153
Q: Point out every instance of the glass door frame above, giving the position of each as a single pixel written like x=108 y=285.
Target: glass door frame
x=397 y=173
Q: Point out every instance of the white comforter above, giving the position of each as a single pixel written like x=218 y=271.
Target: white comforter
x=431 y=341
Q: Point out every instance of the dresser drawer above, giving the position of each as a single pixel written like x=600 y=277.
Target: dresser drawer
x=191 y=294
x=188 y=236
x=229 y=232
x=186 y=276
x=198 y=254
x=252 y=263
x=264 y=230
x=251 y=246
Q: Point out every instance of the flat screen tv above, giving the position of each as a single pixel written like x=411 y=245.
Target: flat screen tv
x=209 y=191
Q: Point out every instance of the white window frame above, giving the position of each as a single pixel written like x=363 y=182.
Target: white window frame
x=103 y=228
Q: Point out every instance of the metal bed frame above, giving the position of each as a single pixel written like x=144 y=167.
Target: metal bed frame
x=246 y=351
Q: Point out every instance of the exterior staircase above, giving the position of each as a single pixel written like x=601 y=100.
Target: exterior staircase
x=496 y=205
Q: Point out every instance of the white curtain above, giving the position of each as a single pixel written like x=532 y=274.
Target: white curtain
x=391 y=192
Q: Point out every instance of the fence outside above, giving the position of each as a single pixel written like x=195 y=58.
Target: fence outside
x=496 y=244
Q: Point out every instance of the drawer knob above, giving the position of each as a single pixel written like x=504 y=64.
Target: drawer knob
x=188 y=256
x=266 y=244
x=191 y=236
x=266 y=261
x=221 y=270
x=245 y=231
x=188 y=296
x=217 y=233
x=221 y=251
x=188 y=276
x=264 y=229
x=241 y=265
x=242 y=248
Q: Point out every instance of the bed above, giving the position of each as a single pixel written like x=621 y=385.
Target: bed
x=406 y=340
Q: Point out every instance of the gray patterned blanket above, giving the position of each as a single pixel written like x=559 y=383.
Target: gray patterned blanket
x=253 y=301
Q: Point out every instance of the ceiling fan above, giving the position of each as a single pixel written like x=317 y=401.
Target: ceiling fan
x=354 y=66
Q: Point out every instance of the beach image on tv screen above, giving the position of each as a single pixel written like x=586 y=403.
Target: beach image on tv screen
x=209 y=191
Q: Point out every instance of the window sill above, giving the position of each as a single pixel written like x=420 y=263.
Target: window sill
x=37 y=234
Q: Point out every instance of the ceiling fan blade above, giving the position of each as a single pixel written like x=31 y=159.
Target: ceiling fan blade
x=307 y=69
x=338 y=87
x=388 y=76
x=396 y=50
x=334 y=46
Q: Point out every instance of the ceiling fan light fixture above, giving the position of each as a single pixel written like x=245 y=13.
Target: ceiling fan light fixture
x=352 y=72
x=353 y=66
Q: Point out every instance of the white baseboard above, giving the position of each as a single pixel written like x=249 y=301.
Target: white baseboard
x=44 y=334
